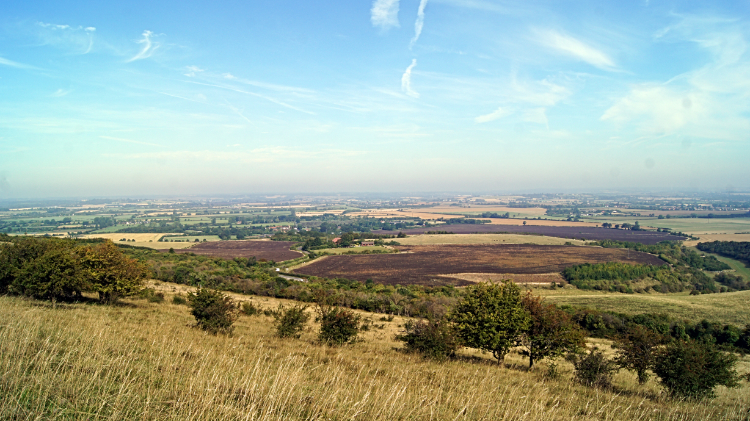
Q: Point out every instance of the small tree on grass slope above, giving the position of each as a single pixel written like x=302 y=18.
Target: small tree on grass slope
x=637 y=351
x=491 y=317
x=214 y=311
x=693 y=369
x=550 y=333
x=338 y=325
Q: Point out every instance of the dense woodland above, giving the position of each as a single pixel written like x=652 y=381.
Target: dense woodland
x=739 y=250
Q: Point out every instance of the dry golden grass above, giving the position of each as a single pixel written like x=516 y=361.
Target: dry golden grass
x=475 y=208
x=728 y=307
x=527 y=279
x=426 y=239
x=718 y=237
x=145 y=361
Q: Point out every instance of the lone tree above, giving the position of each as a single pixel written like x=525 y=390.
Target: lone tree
x=550 y=333
x=214 y=311
x=637 y=351
x=491 y=317
x=111 y=273
x=692 y=369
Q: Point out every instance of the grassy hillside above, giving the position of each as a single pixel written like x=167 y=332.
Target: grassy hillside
x=729 y=307
x=144 y=360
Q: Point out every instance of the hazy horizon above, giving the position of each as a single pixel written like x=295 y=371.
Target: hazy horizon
x=183 y=98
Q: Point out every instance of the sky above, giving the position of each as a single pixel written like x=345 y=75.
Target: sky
x=242 y=97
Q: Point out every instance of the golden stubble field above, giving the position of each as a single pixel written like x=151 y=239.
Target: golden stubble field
x=150 y=240
x=145 y=361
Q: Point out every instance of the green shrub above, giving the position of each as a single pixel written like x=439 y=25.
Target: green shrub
x=151 y=295
x=213 y=311
x=338 y=325
x=290 y=321
x=247 y=308
x=692 y=369
x=434 y=339
x=594 y=369
x=179 y=300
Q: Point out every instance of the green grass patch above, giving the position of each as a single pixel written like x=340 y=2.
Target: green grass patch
x=729 y=307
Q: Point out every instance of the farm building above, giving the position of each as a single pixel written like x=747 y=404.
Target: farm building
x=367 y=243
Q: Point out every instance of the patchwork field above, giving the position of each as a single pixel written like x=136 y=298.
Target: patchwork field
x=705 y=238
x=260 y=249
x=437 y=264
x=427 y=239
x=588 y=233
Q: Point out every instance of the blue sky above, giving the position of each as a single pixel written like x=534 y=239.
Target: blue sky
x=189 y=97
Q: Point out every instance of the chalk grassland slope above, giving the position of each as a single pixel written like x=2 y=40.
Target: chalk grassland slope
x=588 y=233
x=728 y=307
x=260 y=249
x=423 y=265
x=427 y=239
x=145 y=361
x=150 y=240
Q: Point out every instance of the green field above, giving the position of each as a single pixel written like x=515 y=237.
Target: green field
x=729 y=307
x=686 y=225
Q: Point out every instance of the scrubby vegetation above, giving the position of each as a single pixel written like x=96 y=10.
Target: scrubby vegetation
x=686 y=271
x=58 y=269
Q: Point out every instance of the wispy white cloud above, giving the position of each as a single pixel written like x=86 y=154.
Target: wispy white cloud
x=572 y=47
x=384 y=13
x=500 y=112
x=537 y=116
x=406 y=81
x=61 y=92
x=17 y=65
x=267 y=98
x=192 y=71
x=709 y=102
x=148 y=47
x=419 y=23
x=79 y=39
x=258 y=155
x=119 y=139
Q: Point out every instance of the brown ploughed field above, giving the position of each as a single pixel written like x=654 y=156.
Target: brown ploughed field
x=434 y=265
x=269 y=250
x=583 y=232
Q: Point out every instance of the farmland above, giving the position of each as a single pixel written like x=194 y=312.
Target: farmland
x=588 y=233
x=427 y=239
x=140 y=240
x=434 y=265
x=269 y=250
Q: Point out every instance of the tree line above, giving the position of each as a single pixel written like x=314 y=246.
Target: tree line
x=60 y=269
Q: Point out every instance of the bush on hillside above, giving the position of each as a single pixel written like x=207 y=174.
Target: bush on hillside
x=594 y=369
x=290 y=321
x=434 y=339
x=693 y=369
x=338 y=325
x=637 y=351
x=249 y=309
x=214 y=311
